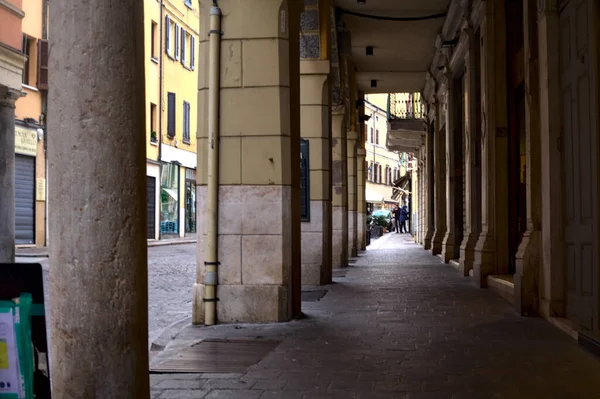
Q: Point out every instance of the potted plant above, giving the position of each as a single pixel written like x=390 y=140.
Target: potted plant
x=153 y=137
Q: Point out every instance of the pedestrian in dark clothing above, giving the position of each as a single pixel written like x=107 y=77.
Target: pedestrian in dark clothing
x=396 y=215
x=403 y=218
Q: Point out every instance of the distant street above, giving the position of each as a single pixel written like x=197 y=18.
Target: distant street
x=171 y=274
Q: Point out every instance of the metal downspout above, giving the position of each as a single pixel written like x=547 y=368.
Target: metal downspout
x=211 y=254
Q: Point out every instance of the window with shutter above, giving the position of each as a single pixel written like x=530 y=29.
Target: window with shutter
x=192 y=52
x=171 y=115
x=42 y=73
x=304 y=181
x=183 y=34
x=186 y=122
x=167 y=35
x=176 y=36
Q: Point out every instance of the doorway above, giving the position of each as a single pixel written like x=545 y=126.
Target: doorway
x=580 y=164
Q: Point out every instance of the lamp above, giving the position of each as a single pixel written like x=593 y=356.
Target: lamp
x=373 y=83
x=369 y=50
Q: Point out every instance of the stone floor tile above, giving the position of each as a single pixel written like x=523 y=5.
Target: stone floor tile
x=401 y=325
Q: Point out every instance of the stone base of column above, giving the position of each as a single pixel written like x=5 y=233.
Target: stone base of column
x=467 y=254
x=484 y=264
x=245 y=304
x=450 y=250
x=526 y=277
x=361 y=230
x=428 y=239
x=437 y=242
x=339 y=244
x=316 y=245
x=352 y=247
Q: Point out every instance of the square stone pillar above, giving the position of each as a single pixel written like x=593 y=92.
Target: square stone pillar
x=492 y=249
x=430 y=193
x=7 y=174
x=450 y=246
x=472 y=157
x=361 y=205
x=259 y=162
x=352 y=197
x=340 y=189
x=97 y=168
x=440 y=182
x=315 y=126
x=552 y=291
x=526 y=278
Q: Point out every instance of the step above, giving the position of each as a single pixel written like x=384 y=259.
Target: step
x=503 y=285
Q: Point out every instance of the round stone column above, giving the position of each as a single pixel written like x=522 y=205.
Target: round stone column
x=97 y=201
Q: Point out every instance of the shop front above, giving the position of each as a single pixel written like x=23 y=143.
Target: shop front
x=190 y=201
x=30 y=188
x=169 y=199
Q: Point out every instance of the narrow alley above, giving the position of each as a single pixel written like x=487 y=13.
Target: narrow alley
x=397 y=323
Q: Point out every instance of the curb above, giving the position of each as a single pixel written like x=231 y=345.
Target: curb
x=150 y=245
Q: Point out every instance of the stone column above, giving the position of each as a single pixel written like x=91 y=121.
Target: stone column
x=7 y=174
x=430 y=193
x=472 y=152
x=528 y=254
x=352 y=141
x=451 y=248
x=361 y=211
x=97 y=169
x=491 y=251
x=440 y=182
x=315 y=126
x=259 y=208
x=340 y=189
x=552 y=256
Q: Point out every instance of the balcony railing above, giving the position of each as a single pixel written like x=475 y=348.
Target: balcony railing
x=405 y=106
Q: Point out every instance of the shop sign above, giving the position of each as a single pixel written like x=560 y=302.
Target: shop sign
x=25 y=141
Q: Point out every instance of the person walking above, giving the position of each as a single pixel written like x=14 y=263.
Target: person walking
x=403 y=218
x=396 y=218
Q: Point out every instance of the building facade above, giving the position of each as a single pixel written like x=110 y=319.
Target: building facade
x=30 y=129
x=171 y=45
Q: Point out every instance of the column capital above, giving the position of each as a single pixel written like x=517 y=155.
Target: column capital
x=352 y=135
x=338 y=110
x=361 y=153
x=8 y=97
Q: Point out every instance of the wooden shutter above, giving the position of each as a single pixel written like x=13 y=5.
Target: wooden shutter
x=186 y=121
x=171 y=115
x=192 y=52
x=183 y=46
x=167 y=34
x=176 y=41
x=42 y=72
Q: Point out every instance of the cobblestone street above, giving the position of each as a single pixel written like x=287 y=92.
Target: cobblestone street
x=171 y=274
x=400 y=325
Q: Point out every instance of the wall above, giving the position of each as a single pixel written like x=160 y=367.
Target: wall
x=10 y=25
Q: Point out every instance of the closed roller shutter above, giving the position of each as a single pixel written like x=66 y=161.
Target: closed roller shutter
x=151 y=205
x=24 y=199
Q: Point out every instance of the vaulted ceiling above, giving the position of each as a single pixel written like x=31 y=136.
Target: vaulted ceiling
x=402 y=50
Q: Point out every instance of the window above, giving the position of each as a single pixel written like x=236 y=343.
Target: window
x=304 y=181
x=377 y=136
x=186 y=122
x=171 y=115
x=153 y=137
x=171 y=38
x=188 y=50
x=376 y=177
x=188 y=3
x=169 y=199
x=372 y=138
x=26 y=48
x=153 y=46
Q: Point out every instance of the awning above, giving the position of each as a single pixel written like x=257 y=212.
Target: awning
x=372 y=196
x=400 y=185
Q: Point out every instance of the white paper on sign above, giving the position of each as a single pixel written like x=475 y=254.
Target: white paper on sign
x=9 y=371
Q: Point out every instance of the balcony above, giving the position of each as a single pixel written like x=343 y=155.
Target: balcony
x=406 y=122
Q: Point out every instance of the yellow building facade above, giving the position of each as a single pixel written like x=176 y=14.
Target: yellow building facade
x=383 y=167
x=30 y=129
x=171 y=46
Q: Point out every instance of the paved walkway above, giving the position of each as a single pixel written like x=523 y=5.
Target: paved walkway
x=399 y=325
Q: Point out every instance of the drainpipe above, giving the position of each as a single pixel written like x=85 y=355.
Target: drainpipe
x=160 y=107
x=211 y=254
x=44 y=124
